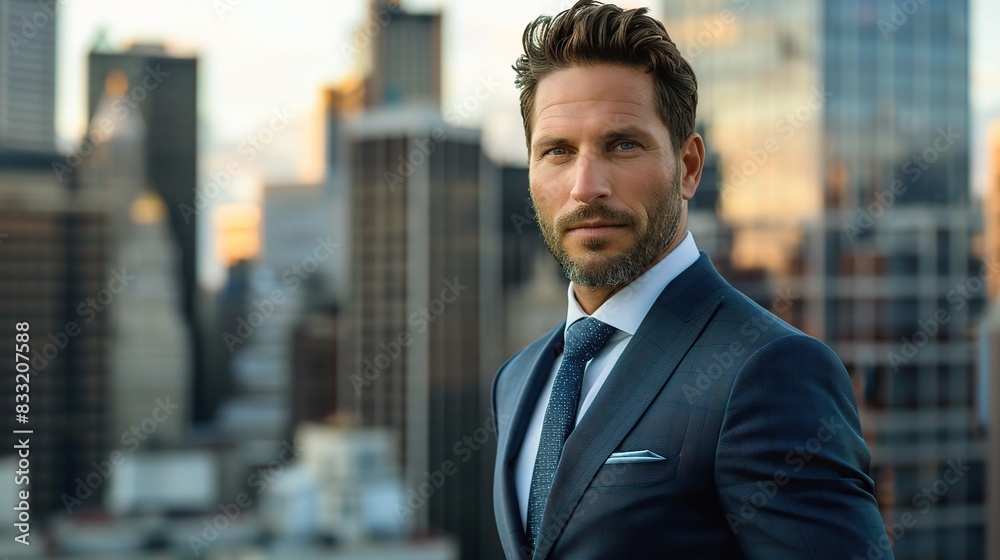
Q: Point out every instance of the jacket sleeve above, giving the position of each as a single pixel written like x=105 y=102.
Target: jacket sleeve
x=791 y=465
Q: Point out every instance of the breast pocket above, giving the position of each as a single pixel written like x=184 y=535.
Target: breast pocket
x=635 y=474
x=661 y=432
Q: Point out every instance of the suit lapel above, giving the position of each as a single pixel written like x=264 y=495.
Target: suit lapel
x=664 y=337
x=534 y=376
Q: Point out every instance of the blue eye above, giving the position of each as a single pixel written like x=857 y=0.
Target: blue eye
x=557 y=152
x=627 y=145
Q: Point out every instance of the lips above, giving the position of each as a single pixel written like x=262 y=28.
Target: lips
x=594 y=224
x=594 y=228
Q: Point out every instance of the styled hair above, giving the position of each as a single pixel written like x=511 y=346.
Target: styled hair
x=592 y=33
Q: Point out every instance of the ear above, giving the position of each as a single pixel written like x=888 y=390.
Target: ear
x=692 y=159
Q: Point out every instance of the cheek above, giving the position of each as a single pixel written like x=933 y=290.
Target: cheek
x=641 y=199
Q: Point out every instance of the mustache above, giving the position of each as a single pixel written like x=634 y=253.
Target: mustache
x=594 y=212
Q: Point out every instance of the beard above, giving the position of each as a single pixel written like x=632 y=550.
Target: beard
x=594 y=267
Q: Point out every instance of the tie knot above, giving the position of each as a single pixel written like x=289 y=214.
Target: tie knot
x=585 y=337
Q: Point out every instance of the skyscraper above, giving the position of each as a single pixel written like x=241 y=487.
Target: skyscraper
x=162 y=88
x=55 y=274
x=56 y=277
x=27 y=76
x=148 y=342
x=422 y=321
x=843 y=132
x=405 y=57
x=423 y=326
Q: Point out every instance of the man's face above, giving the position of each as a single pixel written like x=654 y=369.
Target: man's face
x=605 y=182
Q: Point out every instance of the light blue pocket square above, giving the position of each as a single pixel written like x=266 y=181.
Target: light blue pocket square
x=644 y=456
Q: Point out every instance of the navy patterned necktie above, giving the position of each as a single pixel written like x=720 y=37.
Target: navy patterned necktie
x=583 y=340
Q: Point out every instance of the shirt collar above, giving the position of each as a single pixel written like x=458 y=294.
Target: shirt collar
x=626 y=309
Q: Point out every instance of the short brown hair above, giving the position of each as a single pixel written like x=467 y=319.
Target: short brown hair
x=594 y=33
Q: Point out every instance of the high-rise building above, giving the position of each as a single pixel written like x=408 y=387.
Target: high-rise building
x=843 y=131
x=423 y=317
x=405 y=57
x=842 y=96
x=148 y=343
x=56 y=279
x=314 y=366
x=422 y=320
x=27 y=76
x=162 y=88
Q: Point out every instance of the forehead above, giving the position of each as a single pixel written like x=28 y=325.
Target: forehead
x=608 y=94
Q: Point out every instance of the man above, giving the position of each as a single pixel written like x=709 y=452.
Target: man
x=669 y=416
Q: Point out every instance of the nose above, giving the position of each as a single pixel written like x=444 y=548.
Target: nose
x=591 y=180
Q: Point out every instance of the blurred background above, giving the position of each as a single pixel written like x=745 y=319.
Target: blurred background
x=270 y=256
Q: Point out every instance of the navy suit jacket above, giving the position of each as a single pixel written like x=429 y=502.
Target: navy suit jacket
x=756 y=423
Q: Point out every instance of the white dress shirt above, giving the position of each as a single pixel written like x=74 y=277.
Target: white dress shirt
x=625 y=311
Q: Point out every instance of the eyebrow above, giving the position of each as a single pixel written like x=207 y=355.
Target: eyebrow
x=628 y=132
